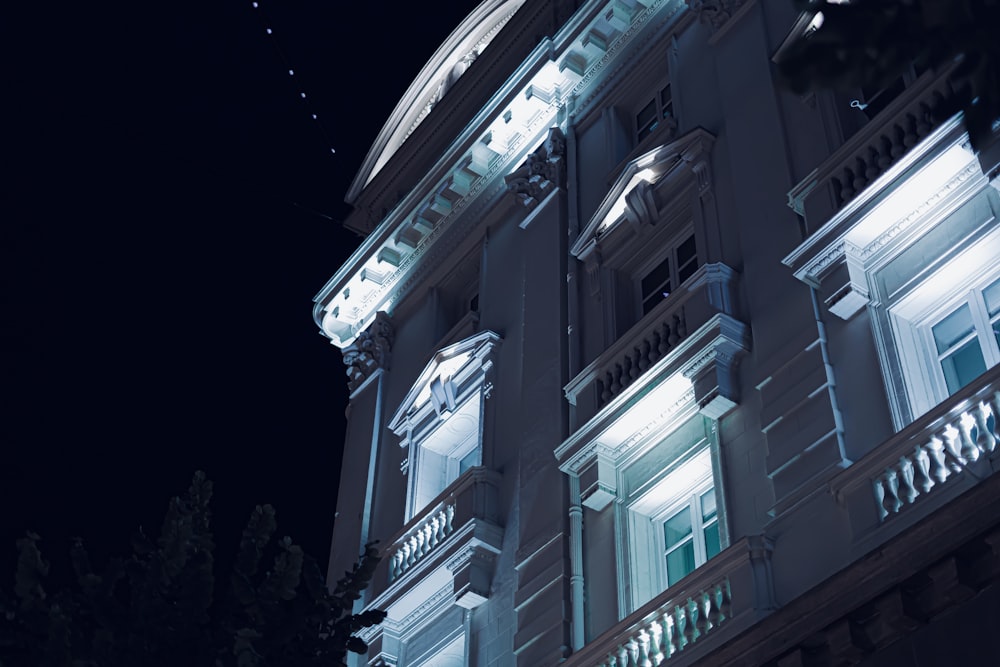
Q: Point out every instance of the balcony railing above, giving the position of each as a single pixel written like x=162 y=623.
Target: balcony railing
x=873 y=149
x=962 y=434
x=725 y=592
x=466 y=510
x=710 y=290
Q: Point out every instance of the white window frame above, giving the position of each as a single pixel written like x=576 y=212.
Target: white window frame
x=960 y=281
x=668 y=492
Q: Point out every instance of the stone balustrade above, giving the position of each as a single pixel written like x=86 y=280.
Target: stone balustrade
x=710 y=290
x=914 y=467
x=873 y=149
x=731 y=590
x=422 y=538
x=463 y=516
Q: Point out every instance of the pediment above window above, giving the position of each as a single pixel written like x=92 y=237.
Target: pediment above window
x=453 y=374
x=644 y=195
x=891 y=214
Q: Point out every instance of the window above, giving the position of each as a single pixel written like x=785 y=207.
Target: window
x=656 y=110
x=966 y=341
x=691 y=535
x=673 y=517
x=680 y=264
x=440 y=422
x=874 y=100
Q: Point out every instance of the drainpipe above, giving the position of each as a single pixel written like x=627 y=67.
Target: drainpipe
x=576 y=563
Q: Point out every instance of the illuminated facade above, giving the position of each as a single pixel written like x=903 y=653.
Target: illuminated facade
x=651 y=361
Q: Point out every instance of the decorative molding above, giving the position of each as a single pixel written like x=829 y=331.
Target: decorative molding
x=542 y=172
x=715 y=13
x=369 y=352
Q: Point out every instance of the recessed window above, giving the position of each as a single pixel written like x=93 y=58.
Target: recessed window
x=967 y=340
x=654 y=112
x=691 y=535
x=659 y=282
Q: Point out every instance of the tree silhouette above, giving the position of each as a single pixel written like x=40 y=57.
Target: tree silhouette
x=159 y=605
x=869 y=43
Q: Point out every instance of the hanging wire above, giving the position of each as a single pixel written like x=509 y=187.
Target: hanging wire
x=291 y=72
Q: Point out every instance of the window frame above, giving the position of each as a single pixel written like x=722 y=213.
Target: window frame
x=663 y=108
x=668 y=253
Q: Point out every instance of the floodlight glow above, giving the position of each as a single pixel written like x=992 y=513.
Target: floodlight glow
x=617 y=209
x=917 y=192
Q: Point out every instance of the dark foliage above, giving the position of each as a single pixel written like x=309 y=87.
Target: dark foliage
x=869 y=43
x=158 y=606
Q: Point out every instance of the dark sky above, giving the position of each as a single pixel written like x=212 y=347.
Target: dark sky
x=166 y=223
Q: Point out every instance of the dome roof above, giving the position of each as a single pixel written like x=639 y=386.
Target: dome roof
x=447 y=64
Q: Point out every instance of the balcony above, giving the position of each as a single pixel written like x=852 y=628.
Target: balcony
x=874 y=149
x=927 y=464
x=665 y=333
x=454 y=539
x=715 y=602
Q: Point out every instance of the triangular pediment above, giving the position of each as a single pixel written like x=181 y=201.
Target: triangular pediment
x=451 y=374
x=629 y=194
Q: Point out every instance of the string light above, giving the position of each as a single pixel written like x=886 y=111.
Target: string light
x=291 y=73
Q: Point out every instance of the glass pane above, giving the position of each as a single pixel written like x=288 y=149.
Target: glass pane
x=992 y=296
x=963 y=365
x=677 y=527
x=645 y=120
x=468 y=461
x=656 y=280
x=680 y=562
x=953 y=329
x=712 y=544
x=666 y=103
x=708 y=509
x=686 y=250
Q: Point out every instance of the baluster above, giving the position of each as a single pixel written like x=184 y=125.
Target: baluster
x=859 y=174
x=633 y=371
x=847 y=189
x=627 y=370
x=654 y=347
x=922 y=470
x=435 y=526
x=986 y=440
x=643 y=356
x=674 y=335
x=394 y=565
x=406 y=556
x=936 y=458
x=701 y=622
x=449 y=517
x=665 y=343
x=678 y=630
x=633 y=652
x=680 y=324
x=725 y=601
x=896 y=138
x=616 y=385
x=622 y=656
x=890 y=483
x=643 y=657
x=713 y=613
x=872 y=169
x=952 y=448
x=689 y=626
x=669 y=635
x=655 y=642
x=908 y=491
x=884 y=153
x=606 y=388
x=969 y=449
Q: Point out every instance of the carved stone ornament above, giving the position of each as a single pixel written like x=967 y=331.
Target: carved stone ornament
x=715 y=13
x=369 y=351
x=542 y=172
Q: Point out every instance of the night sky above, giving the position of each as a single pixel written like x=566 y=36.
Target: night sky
x=170 y=209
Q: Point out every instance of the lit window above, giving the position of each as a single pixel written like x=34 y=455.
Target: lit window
x=967 y=340
x=654 y=112
x=691 y=535
x=674 y=524
x=680 y=264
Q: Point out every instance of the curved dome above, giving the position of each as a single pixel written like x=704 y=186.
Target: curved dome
x=447 y=64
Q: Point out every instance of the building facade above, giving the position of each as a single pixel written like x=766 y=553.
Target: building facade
x=652 y=361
